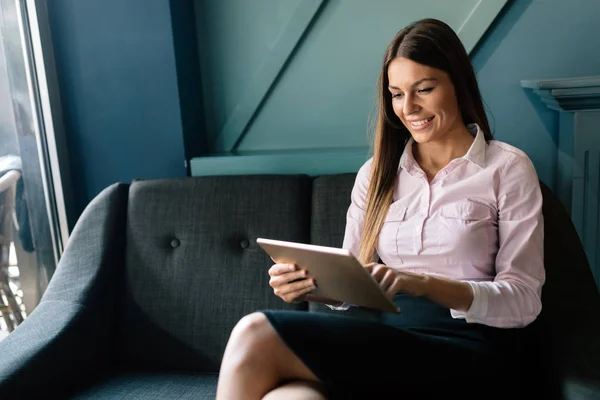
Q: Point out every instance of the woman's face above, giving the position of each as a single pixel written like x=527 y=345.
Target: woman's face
x=424 y=99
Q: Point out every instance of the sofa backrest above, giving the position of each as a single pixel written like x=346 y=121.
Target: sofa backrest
x=330 y=202
x=193 y=267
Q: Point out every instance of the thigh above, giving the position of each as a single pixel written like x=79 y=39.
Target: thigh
x=354 y=356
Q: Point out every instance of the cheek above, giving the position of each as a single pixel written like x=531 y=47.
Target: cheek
x=397 y=107
x=447 y=106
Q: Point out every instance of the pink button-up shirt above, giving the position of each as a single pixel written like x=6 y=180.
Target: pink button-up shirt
x=479 y=221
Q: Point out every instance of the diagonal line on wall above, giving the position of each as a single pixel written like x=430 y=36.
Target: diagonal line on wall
x=272 y=67
x=478 y=20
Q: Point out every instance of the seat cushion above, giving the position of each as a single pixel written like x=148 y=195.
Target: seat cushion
x=153 y=386
x=193 y=267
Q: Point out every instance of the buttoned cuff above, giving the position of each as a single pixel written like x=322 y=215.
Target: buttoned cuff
x=478 y=310
x=343 y=307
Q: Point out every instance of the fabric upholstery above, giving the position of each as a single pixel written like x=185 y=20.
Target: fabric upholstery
x=153 y=387
x=69 y=338
x=194 y=267
x=571 y=307
x=330 y=202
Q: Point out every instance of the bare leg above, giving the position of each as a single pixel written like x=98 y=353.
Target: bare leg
x=256 y=361
x=296 y=391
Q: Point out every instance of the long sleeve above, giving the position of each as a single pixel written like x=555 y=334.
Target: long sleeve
x=355 y=216
x=513 y=298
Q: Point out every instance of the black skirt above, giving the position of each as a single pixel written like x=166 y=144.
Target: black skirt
x=422 y=352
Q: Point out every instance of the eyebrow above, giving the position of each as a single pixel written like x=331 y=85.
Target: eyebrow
x=417 y=83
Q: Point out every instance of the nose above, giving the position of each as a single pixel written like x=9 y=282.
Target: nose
x=409 y=106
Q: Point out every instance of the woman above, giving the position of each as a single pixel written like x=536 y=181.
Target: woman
x=456 y=219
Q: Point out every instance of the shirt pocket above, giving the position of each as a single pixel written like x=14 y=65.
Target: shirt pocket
x=468 y=210
x=396 y=213
x=467 y=230
x=388 y=236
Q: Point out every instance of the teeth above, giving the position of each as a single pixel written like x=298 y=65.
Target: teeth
x=421 y=122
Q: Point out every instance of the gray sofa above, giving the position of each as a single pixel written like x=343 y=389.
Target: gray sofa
x=157 y=273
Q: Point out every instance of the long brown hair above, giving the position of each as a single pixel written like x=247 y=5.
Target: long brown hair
x=433 y=43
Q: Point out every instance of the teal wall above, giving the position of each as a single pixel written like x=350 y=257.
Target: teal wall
x=530 y=40
x=234 y=37
x=117 y=68
x=321 y=99
x=283 y=77
x=299 y=75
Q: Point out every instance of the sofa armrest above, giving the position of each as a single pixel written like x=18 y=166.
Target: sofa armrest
x=69 y=337
x=583 y=358
x=569 y=323
x=572 y=356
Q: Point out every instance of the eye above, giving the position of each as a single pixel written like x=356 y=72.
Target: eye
x=397 y=95
x=425 y=90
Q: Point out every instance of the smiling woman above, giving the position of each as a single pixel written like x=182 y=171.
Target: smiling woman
x=456 y=220
x=424 y=100
x=419 y=103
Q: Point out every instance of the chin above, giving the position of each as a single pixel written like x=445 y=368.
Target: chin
x=422 y=137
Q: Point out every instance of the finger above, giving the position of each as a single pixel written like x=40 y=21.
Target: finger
x=279 y=269
x=394 y=288
x=290 y=297
x=387 y=280
x=285 y=290
x=379 y=271
x=288 y=277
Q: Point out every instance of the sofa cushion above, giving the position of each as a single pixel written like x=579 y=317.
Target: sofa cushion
x=193 y=265
x=153 y=386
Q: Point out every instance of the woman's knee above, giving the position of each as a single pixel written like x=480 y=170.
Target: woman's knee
x=252 y=335
x=256 y=346
x=297 y=390
x=253 y=326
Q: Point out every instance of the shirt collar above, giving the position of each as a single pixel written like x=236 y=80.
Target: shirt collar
x=475 y=154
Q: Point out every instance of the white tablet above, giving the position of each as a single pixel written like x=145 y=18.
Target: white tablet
x=338 y=273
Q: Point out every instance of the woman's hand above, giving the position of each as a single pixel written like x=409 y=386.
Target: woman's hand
x=393 y=281
x=290 y=283
x=294 y=285
x=445 y=292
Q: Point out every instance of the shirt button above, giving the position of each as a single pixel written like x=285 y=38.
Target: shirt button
x=175 y=243
x=244 y=244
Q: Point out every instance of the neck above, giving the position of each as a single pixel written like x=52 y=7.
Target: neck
x=436 y=155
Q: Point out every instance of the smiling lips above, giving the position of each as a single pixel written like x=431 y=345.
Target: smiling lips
x=420 y=124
